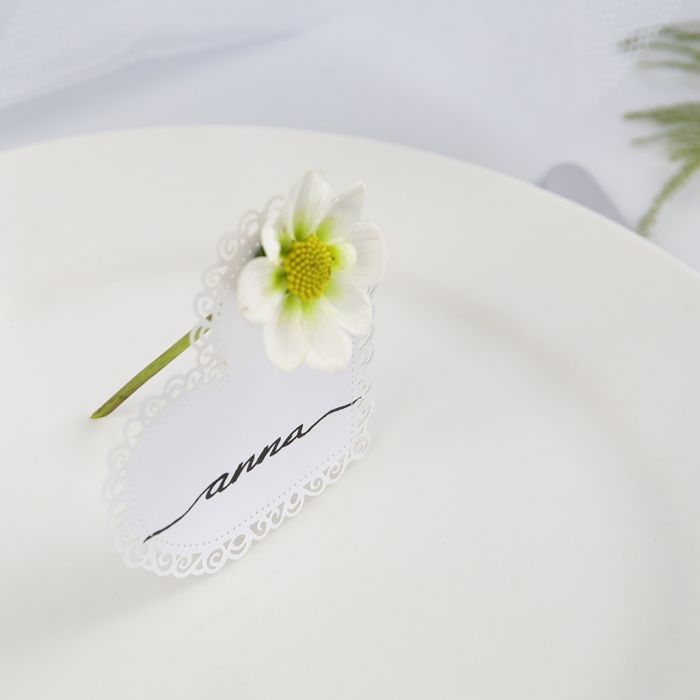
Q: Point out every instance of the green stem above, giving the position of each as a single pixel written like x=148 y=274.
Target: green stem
x=149 y=371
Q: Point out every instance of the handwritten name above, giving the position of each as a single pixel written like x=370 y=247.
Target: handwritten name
x=221 y=483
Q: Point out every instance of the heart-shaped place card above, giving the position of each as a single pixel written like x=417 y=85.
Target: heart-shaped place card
x=276 y=406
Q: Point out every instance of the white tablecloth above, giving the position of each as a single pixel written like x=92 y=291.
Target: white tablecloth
x=513 y=86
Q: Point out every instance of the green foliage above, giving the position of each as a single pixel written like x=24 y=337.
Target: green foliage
x=678 y=125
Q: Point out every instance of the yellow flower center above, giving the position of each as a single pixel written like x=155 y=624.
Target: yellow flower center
x=308 y=265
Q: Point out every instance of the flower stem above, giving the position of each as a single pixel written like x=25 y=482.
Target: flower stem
x=149 y=371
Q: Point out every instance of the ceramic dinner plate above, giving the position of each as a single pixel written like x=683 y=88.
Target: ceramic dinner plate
x=525 y=523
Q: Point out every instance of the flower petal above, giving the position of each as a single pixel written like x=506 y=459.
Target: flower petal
x=330 y=347
x=347 y=305
x=302 y=214
x=258 y=294
x=270 y=237
x=286 y=215
x=285 y=335
x=344 y=255
x=343 y=215
x=371 y=251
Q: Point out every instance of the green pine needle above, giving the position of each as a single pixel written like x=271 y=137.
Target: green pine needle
x=689 y=31
x=670 y=187
x=688 y=66
x=678 y=48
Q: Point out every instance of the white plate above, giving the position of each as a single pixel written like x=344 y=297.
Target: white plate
x=526 y=523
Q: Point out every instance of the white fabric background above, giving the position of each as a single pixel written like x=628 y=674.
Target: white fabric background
x=511 y=85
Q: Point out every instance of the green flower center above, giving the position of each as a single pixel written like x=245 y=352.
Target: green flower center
x=308 y=266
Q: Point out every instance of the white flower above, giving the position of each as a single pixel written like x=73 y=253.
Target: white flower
x=309 y=288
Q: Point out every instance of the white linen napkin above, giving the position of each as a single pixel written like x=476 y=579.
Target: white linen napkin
x=46 y=45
